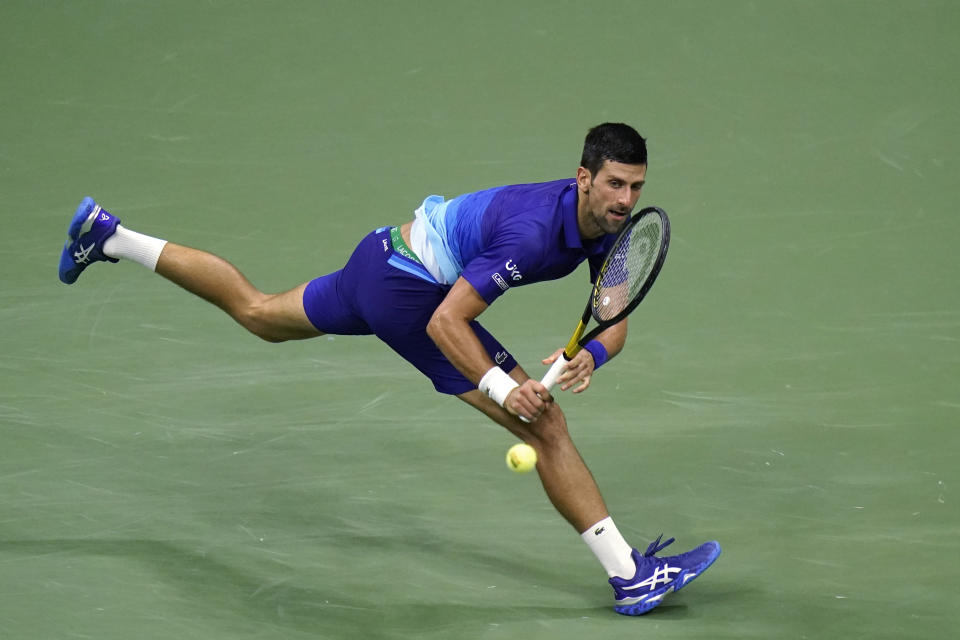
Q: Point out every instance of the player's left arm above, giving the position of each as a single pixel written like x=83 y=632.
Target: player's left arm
x=580 y=369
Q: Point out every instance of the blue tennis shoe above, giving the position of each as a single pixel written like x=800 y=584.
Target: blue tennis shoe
x=88 y=230
x=656 y=577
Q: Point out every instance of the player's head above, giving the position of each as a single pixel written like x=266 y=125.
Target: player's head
x=612 y=141
x=612 y=172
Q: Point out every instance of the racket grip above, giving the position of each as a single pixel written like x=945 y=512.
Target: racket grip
x=554 y=371
x=550 y=378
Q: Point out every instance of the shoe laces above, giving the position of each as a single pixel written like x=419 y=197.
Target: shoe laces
x=656 y=547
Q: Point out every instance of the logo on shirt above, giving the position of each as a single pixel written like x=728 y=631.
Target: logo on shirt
x=514 y=270
x=500 y=281
x=501 y=357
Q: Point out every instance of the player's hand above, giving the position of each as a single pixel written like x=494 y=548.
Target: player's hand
x=528 y=400
x=579 y=370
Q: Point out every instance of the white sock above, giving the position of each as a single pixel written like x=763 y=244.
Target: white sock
x=611 y=549
x=131 y=245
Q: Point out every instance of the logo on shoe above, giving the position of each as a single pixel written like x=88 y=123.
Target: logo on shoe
x=104 y=217
x=83 y=255
x=661 y=575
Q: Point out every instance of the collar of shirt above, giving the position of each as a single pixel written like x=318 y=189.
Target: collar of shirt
x=571 y=230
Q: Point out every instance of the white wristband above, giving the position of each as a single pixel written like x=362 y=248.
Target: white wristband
x=497 y=385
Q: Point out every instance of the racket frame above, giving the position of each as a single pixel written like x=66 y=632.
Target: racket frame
x=578 y=339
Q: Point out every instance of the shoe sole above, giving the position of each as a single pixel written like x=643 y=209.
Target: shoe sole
x=80 y=216
x=682 y=580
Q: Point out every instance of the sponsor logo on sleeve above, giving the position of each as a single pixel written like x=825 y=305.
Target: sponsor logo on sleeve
x=500 y=281
x=514 y=270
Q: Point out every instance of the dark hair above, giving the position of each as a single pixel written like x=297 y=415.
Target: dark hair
x=612 y=141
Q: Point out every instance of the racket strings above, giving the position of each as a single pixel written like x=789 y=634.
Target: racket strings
x=627 y=269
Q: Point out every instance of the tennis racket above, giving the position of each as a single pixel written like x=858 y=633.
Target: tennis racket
x=627 y=273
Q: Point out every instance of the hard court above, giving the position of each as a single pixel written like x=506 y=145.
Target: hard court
x=789 y=387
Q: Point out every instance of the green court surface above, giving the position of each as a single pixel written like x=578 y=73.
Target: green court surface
x=789 y=388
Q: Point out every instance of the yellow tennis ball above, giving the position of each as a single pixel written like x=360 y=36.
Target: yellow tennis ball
x=521 y=458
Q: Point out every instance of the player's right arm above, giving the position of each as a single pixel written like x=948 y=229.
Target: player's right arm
x=449 y=328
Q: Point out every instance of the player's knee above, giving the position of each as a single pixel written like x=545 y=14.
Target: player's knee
x=257 y=318
x=550 y=428
x=269 y=337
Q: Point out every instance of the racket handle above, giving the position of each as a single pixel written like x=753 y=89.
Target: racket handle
x=554 y=371
x=550 y=378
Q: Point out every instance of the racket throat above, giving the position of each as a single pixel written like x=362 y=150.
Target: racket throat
x=573 y=347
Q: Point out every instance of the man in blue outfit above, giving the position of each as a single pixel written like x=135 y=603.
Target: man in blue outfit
x=419 y=287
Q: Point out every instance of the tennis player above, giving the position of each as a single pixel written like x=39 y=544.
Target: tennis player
x=420 y=287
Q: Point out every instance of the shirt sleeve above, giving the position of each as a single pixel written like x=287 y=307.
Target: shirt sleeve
x=501 y=266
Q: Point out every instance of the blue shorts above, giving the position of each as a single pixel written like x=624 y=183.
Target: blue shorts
x=372 y=296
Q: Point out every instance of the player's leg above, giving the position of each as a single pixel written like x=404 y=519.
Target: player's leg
x=563 y=473
x=640 y=580
x=95 y=235
x=565 y=477
x=272 y=317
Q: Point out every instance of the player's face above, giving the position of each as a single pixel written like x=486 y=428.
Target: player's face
x=607 y=198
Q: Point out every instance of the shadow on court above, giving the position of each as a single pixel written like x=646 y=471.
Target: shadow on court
x=222 y=590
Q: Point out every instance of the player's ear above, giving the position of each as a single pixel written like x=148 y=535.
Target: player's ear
x=584 y=179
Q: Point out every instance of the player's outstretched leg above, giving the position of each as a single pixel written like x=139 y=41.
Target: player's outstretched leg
x=656 y=577
x=88 y=231
x=95 y=235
